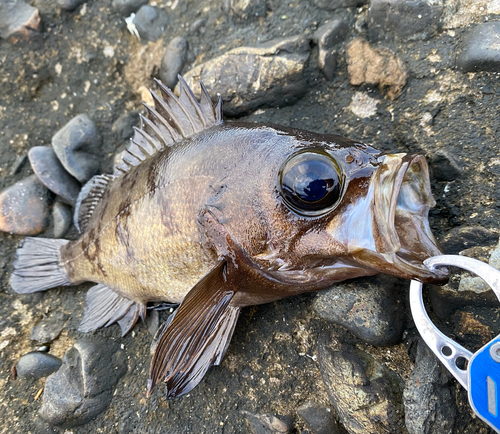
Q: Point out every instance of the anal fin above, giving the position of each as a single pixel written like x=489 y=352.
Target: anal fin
x=105 y=307
x=197 y=336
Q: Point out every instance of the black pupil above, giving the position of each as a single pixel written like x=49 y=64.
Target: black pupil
x=311 y=182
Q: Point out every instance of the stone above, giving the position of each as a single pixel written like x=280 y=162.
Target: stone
x=331 y=33
x=429 y=403
x=327 y=63
x=150 y=22
x=77 y=145
x=69 y=5
x=463 y=13
x=37 y=365
x=375 y=66
x=18 y=21
x=123 y=127
x=24 y=207
x=247 y=10
x=403 y=19
x=153 y=321
x=268 y=423
x=48 y=329
x=332 y=5
x=320 y=419
x=18 y=164
x=481 y=49
x=126 y=7
x=366 y=395
x=83 y=386
x=464 y=237
x=444 y=167
x=62 y=216
x=198 y=26
x=52 y=174
x=369 y=308
x=173 y=61
x=279 y=64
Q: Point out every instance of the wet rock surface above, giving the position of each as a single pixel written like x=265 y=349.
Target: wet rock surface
x=24 y=207
x=150 y=22
x=87 y=61
x=83 y=386
x=19 y=21
x=37 y=365
x=52 y=174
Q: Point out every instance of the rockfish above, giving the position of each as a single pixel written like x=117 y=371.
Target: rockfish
x=217 y=216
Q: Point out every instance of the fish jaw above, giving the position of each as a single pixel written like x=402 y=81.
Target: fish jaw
x=388 y=229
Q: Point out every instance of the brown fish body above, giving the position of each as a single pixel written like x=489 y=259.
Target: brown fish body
x=219 y=216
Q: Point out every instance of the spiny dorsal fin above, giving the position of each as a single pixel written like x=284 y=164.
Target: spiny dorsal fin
x=172 y=119
x=89 y=197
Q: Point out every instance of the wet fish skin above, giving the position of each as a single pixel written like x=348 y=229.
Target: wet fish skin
x=205 y=220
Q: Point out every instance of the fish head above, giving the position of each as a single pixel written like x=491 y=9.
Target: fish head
x=351 y=211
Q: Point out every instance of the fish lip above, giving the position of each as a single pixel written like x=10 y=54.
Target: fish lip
x=401 y=204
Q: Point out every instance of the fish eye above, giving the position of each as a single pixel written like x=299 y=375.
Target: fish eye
x=310 y=183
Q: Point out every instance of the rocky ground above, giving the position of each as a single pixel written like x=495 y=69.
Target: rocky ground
x=419 y=77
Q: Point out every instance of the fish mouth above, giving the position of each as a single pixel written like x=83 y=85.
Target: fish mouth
x=401 y=201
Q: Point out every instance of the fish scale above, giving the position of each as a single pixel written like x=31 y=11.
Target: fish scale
x=217 y=216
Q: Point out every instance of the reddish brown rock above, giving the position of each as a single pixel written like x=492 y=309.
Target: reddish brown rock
x=24 y=207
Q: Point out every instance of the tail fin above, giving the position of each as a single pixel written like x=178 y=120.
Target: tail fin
x=38 y=265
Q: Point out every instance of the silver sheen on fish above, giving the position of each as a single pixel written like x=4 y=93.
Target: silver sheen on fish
x=221 y=215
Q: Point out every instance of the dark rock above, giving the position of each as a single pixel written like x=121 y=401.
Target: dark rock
x=246 y=10
x=444 y=167
x=464 y=237
x=403 y=19
x=126 y=7
x=18 y=164
x=198 y=26
x=279 y=64
x=153 y=321
x=36 y=365
x=77 y=145
x=83 y=386
x=62 y=216
x=69 y=5
x=327 y=63
x=429 y=402
x=319 y=418
x=268 y=423
x=331 y=33
x=481 y=51
x=375 y=66
x=24 y=207
x=52 y=174
x=123 y=127
x=332 y=5
x=150 y=22
x=370 y=309
x=18 y=20
x=173 y=61
x=365 y=393
x=48 y=329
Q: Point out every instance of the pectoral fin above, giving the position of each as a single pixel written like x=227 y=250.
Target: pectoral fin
x=197 y=337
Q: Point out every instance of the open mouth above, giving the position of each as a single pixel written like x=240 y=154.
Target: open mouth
x=402 y=199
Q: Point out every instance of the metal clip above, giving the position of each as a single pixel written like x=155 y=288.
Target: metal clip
x=480 y=376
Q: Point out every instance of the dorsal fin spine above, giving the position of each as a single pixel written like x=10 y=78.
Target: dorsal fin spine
x=157 y=133
x=192 y=99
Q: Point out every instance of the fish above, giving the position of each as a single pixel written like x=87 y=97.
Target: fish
x=215 y=216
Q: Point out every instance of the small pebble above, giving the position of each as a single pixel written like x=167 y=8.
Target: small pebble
x=123 y=127
x=77 y=145
x=36 y=365
x=48 y=329
x=332 y=5
x=319 y=418
x=153 y=321
x=247 y=10
x=89 y=370
x=18 y=21
x=69 y=5
x=18 y=164
x=127 y=7
x=24 y=207
x=52 y=174
x=62 y=215
x=444 y=166
x=331 y=33
x=173 y=61
x=198 y=26
x=268 y=423
x=481 y=50
x=150 y=22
